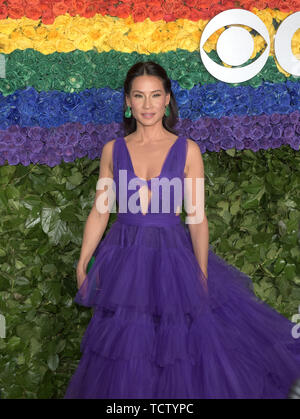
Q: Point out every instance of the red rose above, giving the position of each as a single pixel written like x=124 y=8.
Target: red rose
x=294 y=5
x=260 y=4
x=14 y=3
x=33 y=12
x=230 y=4
x=80 y=6
x=91 y=8
x=157 y=14
x=101 y=7
x=154 y=4
x=45 y=4
x=195 y=15
x=273 y=4
x=139 y=14
x=168 y=17
x=59 y=8
x=75 y=7
x=215 y=9
x=288 y=6
x=16 y=12
x=137 y=4
x=167 y=8
x=184 y=13
x=3 y=11
x=192 y=3
x=48 y=17
x=123 y=10
x=69 y=3
x=35 y=3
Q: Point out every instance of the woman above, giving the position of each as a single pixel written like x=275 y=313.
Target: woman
x=171 y=319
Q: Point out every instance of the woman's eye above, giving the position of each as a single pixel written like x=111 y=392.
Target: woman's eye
x=137 y=95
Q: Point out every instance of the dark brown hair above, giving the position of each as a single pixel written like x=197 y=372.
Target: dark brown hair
x=152 y=69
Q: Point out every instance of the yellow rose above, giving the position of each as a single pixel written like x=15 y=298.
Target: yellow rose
x=64 y=45
x=84 y=43
x=29 y=32
x=51 y=46
x=7 y=26
x=24 y=43
x=44 y=46
x=52 y=34
x=72 y=33
x=42 y=32
x=6 y=45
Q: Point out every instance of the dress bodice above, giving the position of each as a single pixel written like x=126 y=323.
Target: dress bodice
x=166 y=190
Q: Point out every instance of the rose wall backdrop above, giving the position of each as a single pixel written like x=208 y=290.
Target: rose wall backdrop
x=61 y=101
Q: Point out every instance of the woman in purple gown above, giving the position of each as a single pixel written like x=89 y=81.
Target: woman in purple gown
x=171 y=318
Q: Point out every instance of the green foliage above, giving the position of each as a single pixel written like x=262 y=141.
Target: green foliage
x=252 y=205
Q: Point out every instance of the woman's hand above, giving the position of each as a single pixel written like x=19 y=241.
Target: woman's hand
x=81 y=274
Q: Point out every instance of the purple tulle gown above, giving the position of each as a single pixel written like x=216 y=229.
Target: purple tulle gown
x=157 y=331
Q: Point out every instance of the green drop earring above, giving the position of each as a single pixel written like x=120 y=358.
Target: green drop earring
x=128 y=112
x=167 y=110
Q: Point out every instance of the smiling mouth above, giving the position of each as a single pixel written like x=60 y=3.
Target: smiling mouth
x=148 y=115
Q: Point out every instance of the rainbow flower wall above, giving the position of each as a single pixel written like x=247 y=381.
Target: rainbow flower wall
x=61 y=101
x=66 y=62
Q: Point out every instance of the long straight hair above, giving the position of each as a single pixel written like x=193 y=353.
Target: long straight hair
x=152 y=69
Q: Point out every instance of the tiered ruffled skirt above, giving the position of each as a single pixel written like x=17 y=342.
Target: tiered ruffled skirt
x=157 y=332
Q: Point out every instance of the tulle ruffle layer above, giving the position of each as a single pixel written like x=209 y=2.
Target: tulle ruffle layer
x=129 y=355
x=157 y=332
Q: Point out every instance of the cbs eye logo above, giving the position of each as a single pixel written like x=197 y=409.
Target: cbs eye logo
x=235 y=45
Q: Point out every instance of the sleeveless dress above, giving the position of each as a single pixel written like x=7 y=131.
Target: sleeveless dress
x=156 y=330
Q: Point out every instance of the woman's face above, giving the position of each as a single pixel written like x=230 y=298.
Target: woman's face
x=147 y=99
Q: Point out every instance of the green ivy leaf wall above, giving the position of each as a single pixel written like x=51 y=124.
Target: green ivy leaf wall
x=252 y=205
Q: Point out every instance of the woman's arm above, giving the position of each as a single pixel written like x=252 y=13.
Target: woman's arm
x=96 y=222
x=199 y=231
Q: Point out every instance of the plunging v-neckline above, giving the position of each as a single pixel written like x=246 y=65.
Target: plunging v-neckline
x=162 y=168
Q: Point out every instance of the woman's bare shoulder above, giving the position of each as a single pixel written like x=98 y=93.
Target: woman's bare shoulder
x=107 y=153
x=194 y=155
